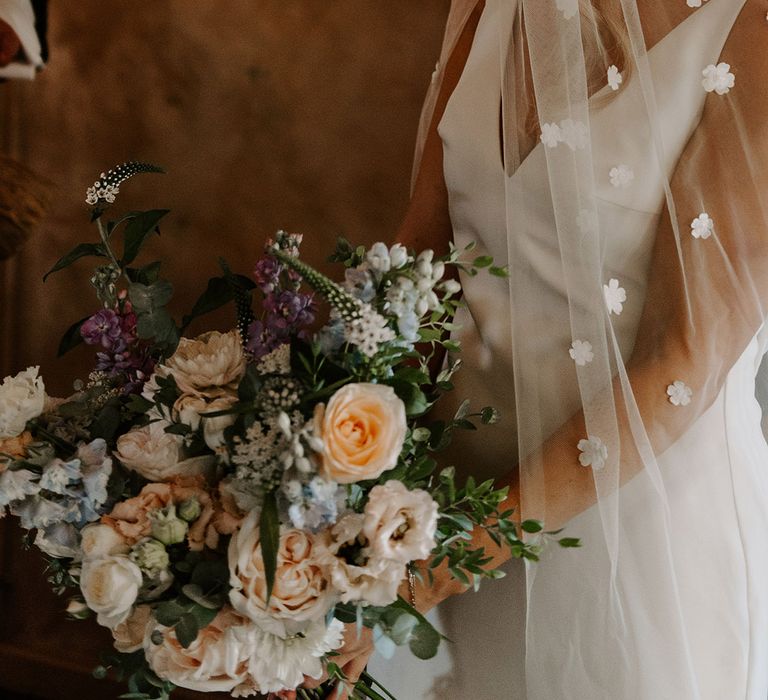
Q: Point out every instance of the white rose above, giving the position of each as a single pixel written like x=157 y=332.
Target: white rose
x=301 y=591
x=110 y=586
x=129 y=635
x=358 y=576
x=400 y=524
x=22 y=398
x=217 y=661
x=100 y=540
x=211 y=360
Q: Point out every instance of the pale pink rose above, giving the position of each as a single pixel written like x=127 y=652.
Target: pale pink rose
x=356 y=574
x=129 y=635
x=189 y=409
x=362 y=430
x=217 y=661
x=211 y=360
x=400 y=524
x=110 y=586
x=300 y=592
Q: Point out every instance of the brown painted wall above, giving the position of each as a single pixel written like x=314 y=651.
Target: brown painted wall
x=267 y=114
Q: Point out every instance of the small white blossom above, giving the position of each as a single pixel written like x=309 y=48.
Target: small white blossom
x=621 y=175
x=702 y=226
x=378 y=257
x=574 y=133
x=398 y=255
x=569 y=8
x=615 y=296
x=276 y=362
x=594 y=452
x=369 y=331
x=614 y=78
x=679 y=393
x=718 y=78
x=581 y=352
x=550 y=135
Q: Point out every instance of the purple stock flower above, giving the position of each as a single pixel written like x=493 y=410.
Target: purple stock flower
x=103 y=328
x=267 y=274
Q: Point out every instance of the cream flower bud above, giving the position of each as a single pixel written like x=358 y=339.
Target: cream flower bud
x=167 y=527
x=77 y=609
x=190 y=509
x=151 y=557
x=398 y=255
x=22 y=398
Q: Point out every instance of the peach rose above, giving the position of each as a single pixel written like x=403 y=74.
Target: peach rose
x=300 y=592
x=217 y=661
x=362 y=429
x=129 y=635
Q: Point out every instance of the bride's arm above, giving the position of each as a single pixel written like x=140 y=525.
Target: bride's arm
x=696 y=322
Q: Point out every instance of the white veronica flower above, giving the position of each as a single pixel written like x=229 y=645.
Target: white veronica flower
x=615 y=296
x=550 y=135
x=594 y=452
x=702 y=226
x=679 y=393
x=718 y=78
x=569 y=8
x=614 y=78
x=621 y=175
x=581 y=352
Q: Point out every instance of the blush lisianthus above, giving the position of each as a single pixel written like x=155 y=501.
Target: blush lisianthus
x=354 y=572
x=362 y=430
x=399 y=524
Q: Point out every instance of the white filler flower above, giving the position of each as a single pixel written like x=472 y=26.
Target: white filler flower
x=594 y=452
x=615 y=296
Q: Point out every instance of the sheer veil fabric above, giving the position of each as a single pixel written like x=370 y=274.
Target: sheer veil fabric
x=613 y=154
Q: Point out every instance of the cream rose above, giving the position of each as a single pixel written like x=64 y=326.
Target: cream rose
x=300 y=592
x=362 y=429
x=129 y=635
x=211 y=360
x=217 y=661
x=22 y=398
x=358 y=576
x=110 y=586
x=400 y=524
x=157 y=455
x=190 y=407
x=100 y=540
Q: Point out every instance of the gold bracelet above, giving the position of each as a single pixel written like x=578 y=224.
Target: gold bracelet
x=411 y=585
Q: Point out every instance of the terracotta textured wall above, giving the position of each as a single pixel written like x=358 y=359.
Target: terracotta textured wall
x=267 y=114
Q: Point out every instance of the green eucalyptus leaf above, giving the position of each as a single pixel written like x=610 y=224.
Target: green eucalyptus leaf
x=138 y=230
x=80 y=251
x=424 y=641
x=71 y=338
x=187 y=630
x=269 y=531
x=169 y=613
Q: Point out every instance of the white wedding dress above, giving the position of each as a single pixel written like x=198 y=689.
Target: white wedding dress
x=716 y=475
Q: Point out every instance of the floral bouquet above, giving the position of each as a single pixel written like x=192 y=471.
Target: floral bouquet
x=226 y=503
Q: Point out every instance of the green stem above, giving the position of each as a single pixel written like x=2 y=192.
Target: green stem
x=107 y=247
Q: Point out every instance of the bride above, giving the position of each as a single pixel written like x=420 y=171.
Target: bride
x=614 y=154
